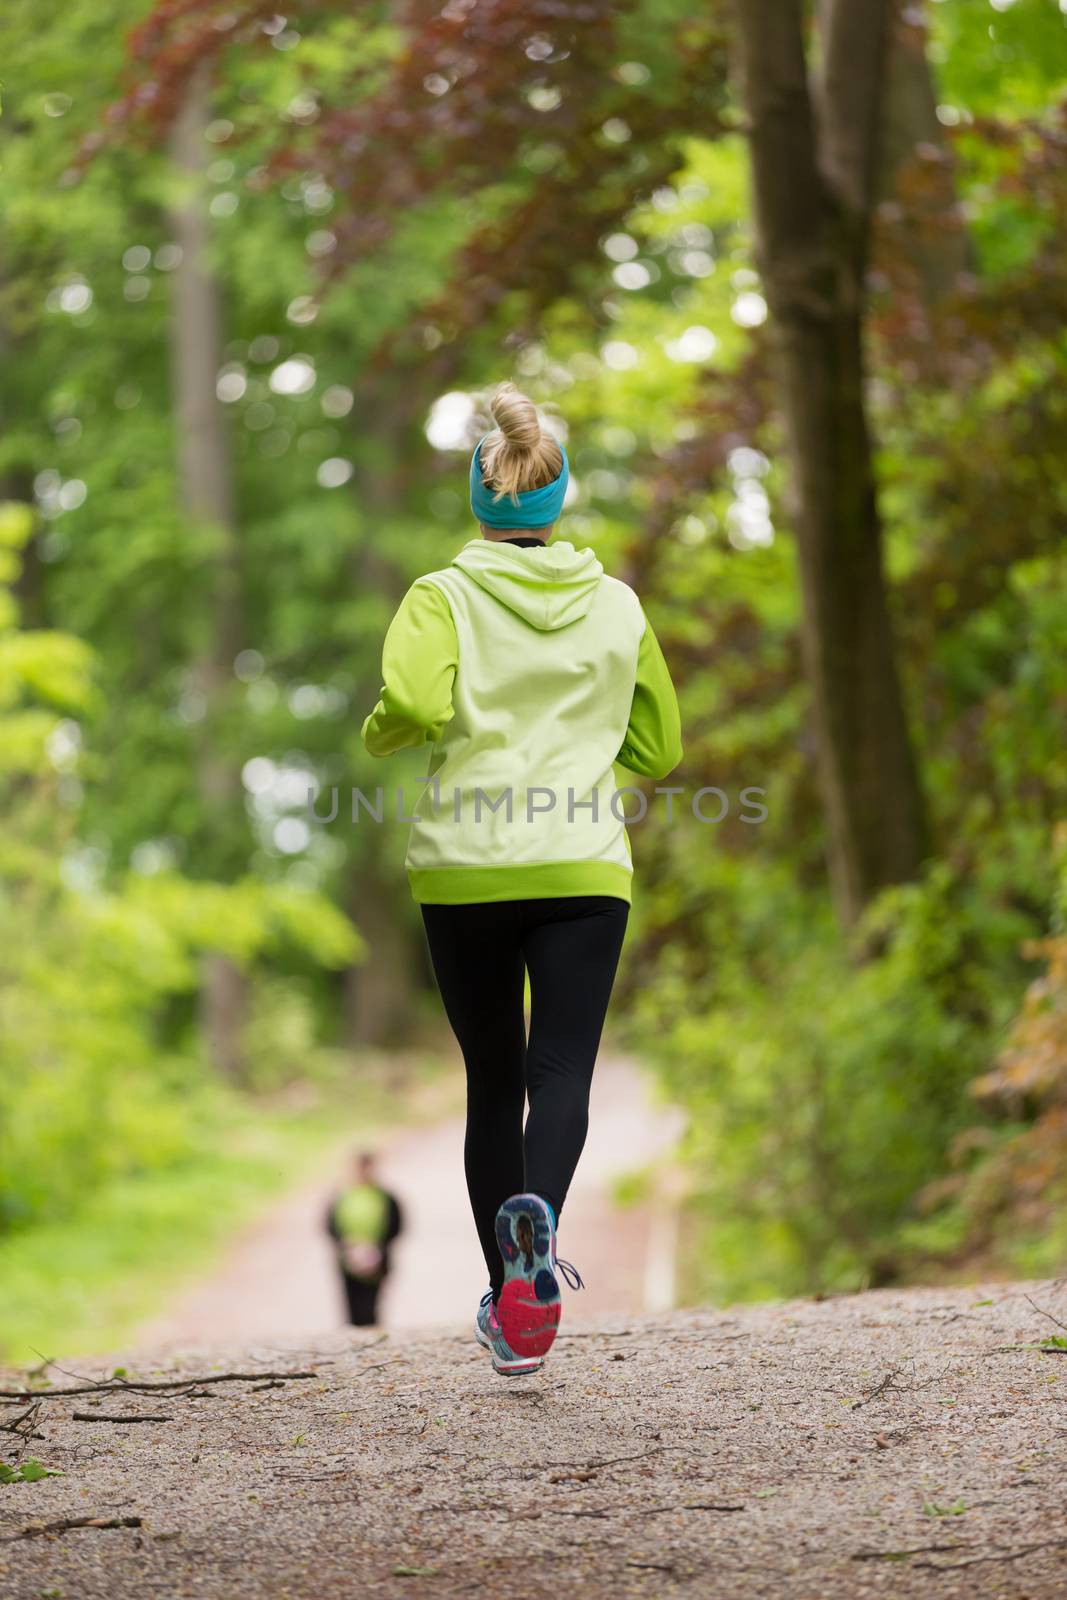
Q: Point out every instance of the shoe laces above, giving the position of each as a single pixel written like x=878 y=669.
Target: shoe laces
x=571 y=1276
x=486 y=1300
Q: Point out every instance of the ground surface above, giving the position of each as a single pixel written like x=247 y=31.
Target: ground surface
x=889 y=1444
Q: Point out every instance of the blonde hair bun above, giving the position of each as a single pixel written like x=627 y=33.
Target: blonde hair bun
x=516 y=417
x=519 y=454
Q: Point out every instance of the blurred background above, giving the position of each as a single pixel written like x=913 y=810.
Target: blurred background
x=805 y=340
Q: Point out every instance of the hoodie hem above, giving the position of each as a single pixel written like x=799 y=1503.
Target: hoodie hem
x=540 y=880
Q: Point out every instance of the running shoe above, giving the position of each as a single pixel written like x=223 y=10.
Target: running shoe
x=490 y=1335
x=528 y=1307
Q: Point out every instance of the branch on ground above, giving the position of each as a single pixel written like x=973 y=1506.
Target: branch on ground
x=1048 y=1314
x=102 y=1416
x=24 y=1423
x=175 y=1386
x=890 y=1385
x=900 y=1555
x=1006 y=1555
x=37 y=1530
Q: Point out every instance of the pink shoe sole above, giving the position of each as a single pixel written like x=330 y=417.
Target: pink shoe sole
x=528 y=1307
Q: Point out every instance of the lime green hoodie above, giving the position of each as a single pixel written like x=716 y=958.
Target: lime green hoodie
x=531 y=672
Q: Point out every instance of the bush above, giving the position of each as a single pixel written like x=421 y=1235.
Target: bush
x=822 y=1102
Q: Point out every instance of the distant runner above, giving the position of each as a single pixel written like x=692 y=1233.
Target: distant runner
x=363 y=1221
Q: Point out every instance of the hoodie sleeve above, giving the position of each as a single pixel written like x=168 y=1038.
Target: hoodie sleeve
x=419 y=660
x=653 y=744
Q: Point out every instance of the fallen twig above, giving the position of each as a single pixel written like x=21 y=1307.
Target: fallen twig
x=35 y=1530
x=1048 y=1314
x=363 y=1344
x=150 y=1386
x=312 y=1477
x=397 y=1361
x=889 y=1385
x=101 y=1416
x=953 y=1316
x=1039 y=1349
x=900 y=1555
x=1007 y=1555
x=688 y=1505
x=24 y=1428
x=614 y=1461
x=25 y=1419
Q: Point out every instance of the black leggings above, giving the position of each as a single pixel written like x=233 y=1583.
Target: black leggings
x=480 y=953
x=361 y=1298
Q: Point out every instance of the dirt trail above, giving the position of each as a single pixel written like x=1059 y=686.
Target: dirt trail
x=888 y=1444
x=279 y=1279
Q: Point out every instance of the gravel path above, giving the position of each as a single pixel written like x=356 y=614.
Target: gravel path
x=889 y=1444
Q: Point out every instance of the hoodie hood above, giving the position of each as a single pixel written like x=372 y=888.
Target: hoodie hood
x=548 y=587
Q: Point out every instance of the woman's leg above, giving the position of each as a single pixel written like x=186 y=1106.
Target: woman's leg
x=477 y=959
x=572 y=949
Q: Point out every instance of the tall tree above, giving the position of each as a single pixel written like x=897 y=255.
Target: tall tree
x=379 y=988
x=814 y=156
x=206 y=488
x=914 y=157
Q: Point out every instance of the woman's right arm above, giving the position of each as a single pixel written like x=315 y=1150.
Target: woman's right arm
x=419 y=660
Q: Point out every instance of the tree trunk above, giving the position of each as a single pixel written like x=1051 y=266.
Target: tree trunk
x=813 y=196
x=914 y=152
x=379 y=991
x=206 y=489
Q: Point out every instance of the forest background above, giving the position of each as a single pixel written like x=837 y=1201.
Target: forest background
x=794 y=297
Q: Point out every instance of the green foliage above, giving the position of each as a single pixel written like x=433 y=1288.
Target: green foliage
x=932 y=1509
x=816 y=1120
x=96 y=1081
x=89 y=1272
x=29 y=1471
x=85 y=1046
x=829 y=1096
x=835 y=1139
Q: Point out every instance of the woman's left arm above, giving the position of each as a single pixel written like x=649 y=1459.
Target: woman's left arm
x=419 y=660
x=653 y=744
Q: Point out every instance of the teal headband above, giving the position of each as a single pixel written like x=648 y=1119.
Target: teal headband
x=537 y=508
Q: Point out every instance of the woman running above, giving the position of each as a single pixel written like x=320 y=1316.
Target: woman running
x=531 y=672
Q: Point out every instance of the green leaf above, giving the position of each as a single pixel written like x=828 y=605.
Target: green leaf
x=30 y=1471
x=16 y=523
